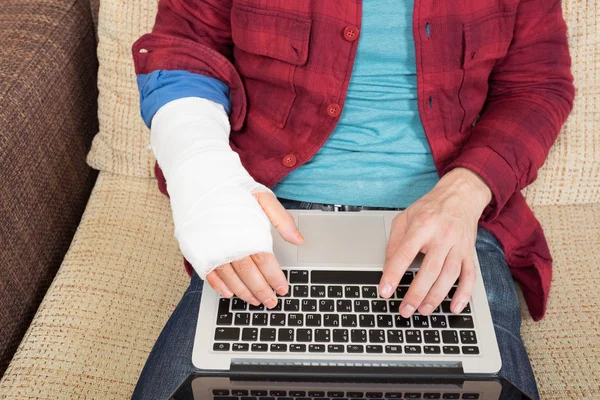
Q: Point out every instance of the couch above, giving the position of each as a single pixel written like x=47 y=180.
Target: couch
x=122 y=275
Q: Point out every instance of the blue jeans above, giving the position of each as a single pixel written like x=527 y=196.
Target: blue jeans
x=170 y=361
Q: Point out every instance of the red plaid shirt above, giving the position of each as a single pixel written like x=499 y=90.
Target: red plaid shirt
x=494 y=88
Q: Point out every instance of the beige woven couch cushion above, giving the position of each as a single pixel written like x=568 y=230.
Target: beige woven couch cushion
x=123 y=276
x=571 y=175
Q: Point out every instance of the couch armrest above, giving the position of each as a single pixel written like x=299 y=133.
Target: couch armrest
x=48 y=116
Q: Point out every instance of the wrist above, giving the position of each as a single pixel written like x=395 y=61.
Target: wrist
x=470 y=185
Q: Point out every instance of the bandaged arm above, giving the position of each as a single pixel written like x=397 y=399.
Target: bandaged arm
x=217 y=218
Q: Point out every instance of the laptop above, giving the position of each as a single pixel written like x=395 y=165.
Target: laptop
x=198 y=387
x=332 y=322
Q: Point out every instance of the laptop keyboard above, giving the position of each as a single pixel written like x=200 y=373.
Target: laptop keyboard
x=340 y=312
x=240 y=394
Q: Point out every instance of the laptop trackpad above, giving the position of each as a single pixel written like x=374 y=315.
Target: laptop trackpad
x=342 y=238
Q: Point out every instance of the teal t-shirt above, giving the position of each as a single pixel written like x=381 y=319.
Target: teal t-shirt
x=378 y=154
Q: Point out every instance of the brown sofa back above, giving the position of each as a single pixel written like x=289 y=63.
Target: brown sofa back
x=48 y=116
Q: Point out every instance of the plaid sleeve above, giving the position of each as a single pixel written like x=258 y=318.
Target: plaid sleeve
x=530 y=95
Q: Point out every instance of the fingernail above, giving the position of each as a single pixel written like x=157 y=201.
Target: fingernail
x=459 y=307
x=254 y=301
x=299 y=236
x=271 y=303
x=386 y=290
x=407 y=311
x=426 y=309
x=281 y=290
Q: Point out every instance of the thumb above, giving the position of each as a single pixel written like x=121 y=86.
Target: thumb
x=281 y=219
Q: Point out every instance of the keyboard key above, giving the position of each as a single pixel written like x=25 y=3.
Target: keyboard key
x=431 y=337
x=438 y=321
x=300 y=291
x=432 y=349
x=376 y=336
x=221 y=392
x=286 y=335
x=304 y=335
x=385 y=321
x=335 y=292
x=239 y=392
x=461 y=321
x=295 y=319
x=394 y=306
x=352 y=291
x=309 y=305
x=451 y=396
x=449 y=337
x=249 y=334
x=374 y=395
x=224 y=306
x=335 y=395
x=224 y=318
x=278 y=393
x=393 y=349
x=446 y=306
x=395 y=336
x=355 y=348
x=374 y=348
x=259 y=393
x=401 y=322
x=451 y=292
x=259 y=347
x=470 y=396
x=331 y=320
x=322 y=335
x=326 y=306
x=369 y=292
x=366 y=321
x=292 y=305
x=349 y=321
x=317 y=291
x=278 y=347
x=413 y=336
x=361 y=305
x=468 y=337
x=335 y=348
x=277 y=307
x=344 y=306
x=277 y=320
x=469 y=350
x=451 y=349
x=340 y=335
x=260 y=307
x=297 y=393
x=379 y=306
x=412 y=349
x=267 y=335
x=227 y=334
x=238 y=304
x=242 y=319
x=315 y=394
x=313 y=320
x=354 y=395
x=413 y=395
x=240 y=347
x=420 y=321
x=297 y=276
x=393 y=395
x=297 y=348
x=401 y=292
x=407 y=278
x=221 y=347
x=259 y=319
x=316 y=348
x=432 y=395
x=358 y=335
x=467 y=309
x=341 y=277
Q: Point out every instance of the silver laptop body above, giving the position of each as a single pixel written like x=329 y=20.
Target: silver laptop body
x=341 y=262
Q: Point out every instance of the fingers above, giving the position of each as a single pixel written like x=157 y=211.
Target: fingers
x=270 y=269
x=443 y=284
x=424 y=280
x=218 y=285
x=233 y=281
x=254 y=280
x=466 y=282
x=280 y=218
x=394 y=267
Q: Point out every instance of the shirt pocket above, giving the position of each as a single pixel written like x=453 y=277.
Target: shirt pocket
x=486 y=41
x=268 y=48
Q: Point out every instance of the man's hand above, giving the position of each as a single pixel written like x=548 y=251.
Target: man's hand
x=443 y=226
x=253 y=278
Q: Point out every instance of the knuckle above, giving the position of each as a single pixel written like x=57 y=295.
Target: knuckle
x=261 y=258
x=244 y=265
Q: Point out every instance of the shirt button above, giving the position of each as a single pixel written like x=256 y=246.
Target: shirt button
x=351 y=33
x=333 y=110
x=289 y=160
